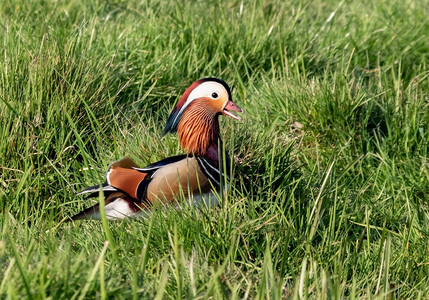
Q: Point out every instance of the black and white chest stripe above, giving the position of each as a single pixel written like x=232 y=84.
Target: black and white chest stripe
x=210 y=171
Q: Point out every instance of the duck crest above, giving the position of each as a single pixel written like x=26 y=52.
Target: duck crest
x=177 y=112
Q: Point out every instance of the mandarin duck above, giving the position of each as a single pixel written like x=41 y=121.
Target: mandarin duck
x=129 y=190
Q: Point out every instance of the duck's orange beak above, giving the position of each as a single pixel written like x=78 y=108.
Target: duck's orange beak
x=231 y=106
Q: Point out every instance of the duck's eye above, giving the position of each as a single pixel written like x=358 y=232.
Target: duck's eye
x=215 y=95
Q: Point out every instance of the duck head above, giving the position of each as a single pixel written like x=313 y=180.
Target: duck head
x=195 y=117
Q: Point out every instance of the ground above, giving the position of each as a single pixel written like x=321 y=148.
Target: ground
x=329 y=197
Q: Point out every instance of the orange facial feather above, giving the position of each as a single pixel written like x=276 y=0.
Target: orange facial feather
x=199 y=127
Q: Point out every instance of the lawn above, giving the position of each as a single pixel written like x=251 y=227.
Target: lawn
x=330 y=193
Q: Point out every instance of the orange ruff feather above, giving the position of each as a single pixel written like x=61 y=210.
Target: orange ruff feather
x=198 y=128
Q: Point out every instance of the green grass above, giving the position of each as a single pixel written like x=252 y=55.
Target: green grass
x=330 y=197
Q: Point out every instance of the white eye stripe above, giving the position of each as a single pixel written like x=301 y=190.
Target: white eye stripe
x=206 y=89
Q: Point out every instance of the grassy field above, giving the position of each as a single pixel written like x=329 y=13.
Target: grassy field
x=330 y=197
